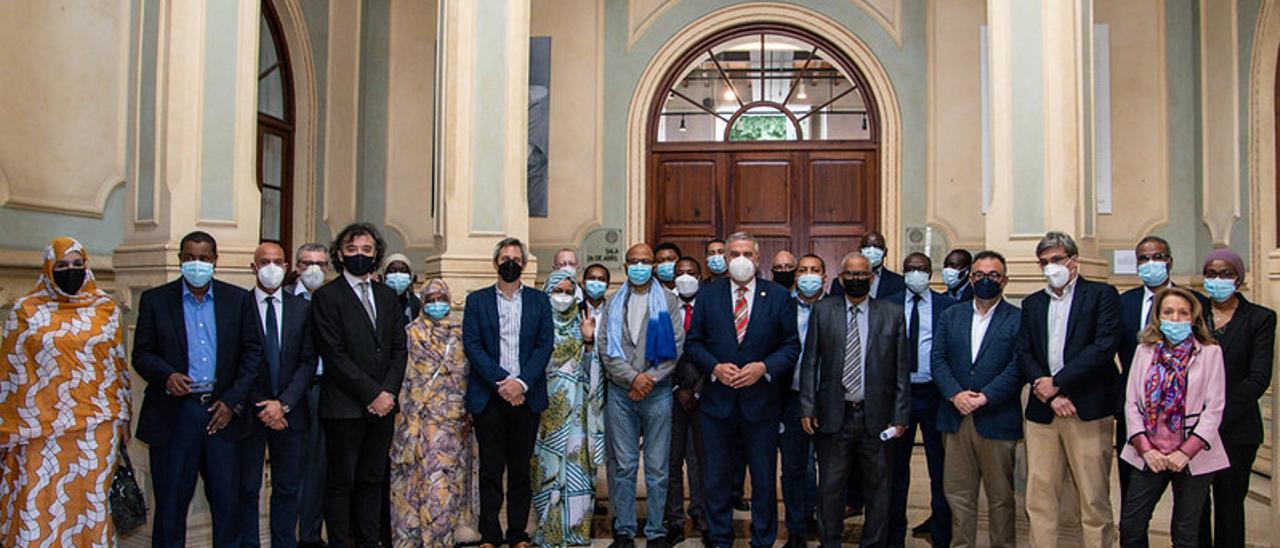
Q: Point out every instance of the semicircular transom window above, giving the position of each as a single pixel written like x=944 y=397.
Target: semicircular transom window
x=764 y=86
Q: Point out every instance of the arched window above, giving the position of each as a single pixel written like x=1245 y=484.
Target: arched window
x=275 y=129
x=765 y=85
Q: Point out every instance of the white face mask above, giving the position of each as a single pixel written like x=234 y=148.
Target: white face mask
x=312 y=278
x=742 y=269
x=686 y=285
x=562 y=301
x=1057 y=275
x=270 y=276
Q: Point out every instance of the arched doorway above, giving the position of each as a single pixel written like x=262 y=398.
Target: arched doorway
x=276 y=119
x=768 y=129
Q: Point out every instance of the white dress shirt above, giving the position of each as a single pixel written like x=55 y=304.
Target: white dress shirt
x=733 y=295
x=509 y=316
x=1059 y=316
x=261 y=297
x=355 y=286
x=978 y=329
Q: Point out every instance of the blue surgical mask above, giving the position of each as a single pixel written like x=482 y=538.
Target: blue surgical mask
x=1153 y=273
x=917 y=281
x=953 y=277
x=1175 y=332
x=874 y=255
x=809 y=284
x=639 y=274
x=437 y=310
x=716 y=264
x=1220 y=289
x=399 y=281
x=197 y=273
x=666 y=271
x=595 y=288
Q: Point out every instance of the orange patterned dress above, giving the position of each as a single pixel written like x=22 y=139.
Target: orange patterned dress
x=64 y=399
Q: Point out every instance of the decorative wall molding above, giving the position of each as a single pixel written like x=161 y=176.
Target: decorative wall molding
x=1219 y=119
x=342 y=114
x=641 y=14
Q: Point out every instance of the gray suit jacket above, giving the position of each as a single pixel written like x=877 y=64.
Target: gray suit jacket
x=623 y=372
x=887 y=379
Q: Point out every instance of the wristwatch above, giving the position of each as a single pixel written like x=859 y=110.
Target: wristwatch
x=284 y=408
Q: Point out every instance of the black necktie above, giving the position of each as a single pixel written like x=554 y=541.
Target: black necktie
x=913 y=334
x=272 y=346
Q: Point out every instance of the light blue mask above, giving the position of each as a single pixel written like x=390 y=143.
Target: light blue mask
x=953 y=277
x=1153 y=273
x=1220 y=289
x=1175 y=332
x=666 y=271
x=917 y=282
x=716 y=264
x=639 y=274
x=437 y=310
x=399 y=281
x=596 y=288
x=809 y=284
x=874 y=255
x=197 y=273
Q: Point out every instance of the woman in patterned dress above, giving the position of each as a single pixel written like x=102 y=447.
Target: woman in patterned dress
x=565 y=456
x=64 y=407
x=431 y=458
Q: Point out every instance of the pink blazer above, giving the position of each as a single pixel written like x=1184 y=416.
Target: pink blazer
x=1206 y=396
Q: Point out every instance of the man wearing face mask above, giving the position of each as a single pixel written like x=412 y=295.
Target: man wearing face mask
x=686 y=432
x=783 y=270
x=1067 y=349
x=360 y=333
x=311 y=265
x=199 y=348
x=508 y=335
x=974 y=364
x=922 y=309
x=665 y=257
x=743 y=336
x=399 y=276
x=955 y=273
x=717 y=264
x=799 y=469
x=280 y=418
x=886 y=282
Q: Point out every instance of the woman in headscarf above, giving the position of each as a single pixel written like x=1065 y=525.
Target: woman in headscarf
x=431 y=459
x=565 y=457
x=64 y=407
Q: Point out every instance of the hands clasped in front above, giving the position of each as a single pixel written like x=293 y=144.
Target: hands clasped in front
x=739 y=377
x=512 y=391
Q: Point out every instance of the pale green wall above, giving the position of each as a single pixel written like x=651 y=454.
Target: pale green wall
x=217 y=176
x=316 y=14
x=371 y=153
x=489 y=94
x=1028 y=117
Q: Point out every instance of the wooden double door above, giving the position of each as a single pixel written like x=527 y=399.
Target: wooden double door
x=805 y=201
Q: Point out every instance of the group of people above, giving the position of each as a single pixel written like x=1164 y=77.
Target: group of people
x=367 y=394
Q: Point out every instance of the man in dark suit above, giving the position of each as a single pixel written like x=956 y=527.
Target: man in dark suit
x=886 y=282
x=975 y=368
x=855 y=394
x=922 y=309
x=278 y=401
x=1073 y=401
x=198 y=347
x=955 y=273
x=311 y=264
x=743 y=336
x=508 y=337
x=686 y=433
x=360 y=335
x=799 y=470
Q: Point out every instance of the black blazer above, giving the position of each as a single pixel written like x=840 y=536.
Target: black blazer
x=160 y=349
x=687 y=375
x=1089 y=372
x=1248 y=347
x=890 y=283
x=360 y=359
x=297 y=361
x=1130 y=330
x=964 y=295
x=482 y=342
x=887 y=378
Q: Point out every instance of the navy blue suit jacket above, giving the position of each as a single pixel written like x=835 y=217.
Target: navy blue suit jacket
x=994 y=373
x=965 y=294
x=1089 y=372
x=771 y=338
x=890 y=283
x=482 y=343
x=297 y=362
x=160 y=349
x=941 y=303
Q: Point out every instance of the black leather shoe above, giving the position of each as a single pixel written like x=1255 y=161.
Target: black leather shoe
x=675 y=535
x=923 y=530
x=796 y=541
x=741 y=505
x=658 y=543
x=623 y=542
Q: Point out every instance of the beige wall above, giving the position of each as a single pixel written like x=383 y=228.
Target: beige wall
x=954 y=180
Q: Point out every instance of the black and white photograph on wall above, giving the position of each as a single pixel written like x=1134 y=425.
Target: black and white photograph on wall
x=539 y=122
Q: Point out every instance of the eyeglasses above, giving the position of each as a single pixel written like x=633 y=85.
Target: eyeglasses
x=645 y=262
x=1056 y=259
x=1153 y=257
x=979 y=276
x=1226 y=274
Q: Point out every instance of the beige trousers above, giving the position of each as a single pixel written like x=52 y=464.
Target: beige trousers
x=1076 y=451
x=970 y=459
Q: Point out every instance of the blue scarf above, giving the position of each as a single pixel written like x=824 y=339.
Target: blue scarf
x=660 y=340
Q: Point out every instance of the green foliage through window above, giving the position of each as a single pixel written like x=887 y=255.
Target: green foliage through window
x=770 y=127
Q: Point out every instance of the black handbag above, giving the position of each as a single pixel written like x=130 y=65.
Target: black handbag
x=128 y=506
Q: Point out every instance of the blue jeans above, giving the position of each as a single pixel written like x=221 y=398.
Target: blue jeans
x=626 y=422
x=799 y=470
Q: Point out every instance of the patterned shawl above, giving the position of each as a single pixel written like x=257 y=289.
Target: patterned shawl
x=435 y=346
x=1165 y=388
x=569 y=347
x=63 y=367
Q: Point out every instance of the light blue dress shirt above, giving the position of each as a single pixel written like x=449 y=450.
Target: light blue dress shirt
x=202 y=339
x=803 y=310
x=922 y=374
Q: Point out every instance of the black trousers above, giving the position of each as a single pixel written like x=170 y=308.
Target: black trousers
x=357 y=452
x=686 y=447
x=505 y=435
x=1124 y=469
x=1145 y=490
x=854 y=449
x=1230 y=487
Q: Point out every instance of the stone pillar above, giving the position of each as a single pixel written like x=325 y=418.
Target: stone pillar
x=484 y=82
x=1040 y=70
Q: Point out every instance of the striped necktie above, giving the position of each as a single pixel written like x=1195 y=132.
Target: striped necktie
x=852 y=378
x=741 y=314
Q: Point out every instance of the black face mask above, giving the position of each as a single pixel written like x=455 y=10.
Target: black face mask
x=358 y=264
x=785 y=278
x=510 y=270
x=856 y=288
x=70 y=280
x=986 y=289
